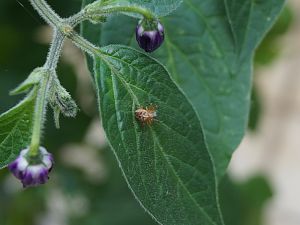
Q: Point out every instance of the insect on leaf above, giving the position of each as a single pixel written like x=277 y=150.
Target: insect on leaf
x=166 y=163
x=208 y=49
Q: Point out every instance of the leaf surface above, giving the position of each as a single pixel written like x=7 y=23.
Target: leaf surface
x=15 y=130
x=159 y=7
x=208 y=50
x=166 y=163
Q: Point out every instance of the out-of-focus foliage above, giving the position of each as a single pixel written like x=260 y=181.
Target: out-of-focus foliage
x=269 y=49
x=20 y=208
x=110 y=202
x=255 y=109
x=265 y=54
x=242 y=203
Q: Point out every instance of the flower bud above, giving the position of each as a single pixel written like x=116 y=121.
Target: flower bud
x=150 y=35
x=32 y=171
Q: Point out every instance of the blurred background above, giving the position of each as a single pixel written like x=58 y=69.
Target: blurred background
x=86 y=188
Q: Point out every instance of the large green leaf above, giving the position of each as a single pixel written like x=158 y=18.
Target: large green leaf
x=208 y=49
x=166 y=164
x=15 y=130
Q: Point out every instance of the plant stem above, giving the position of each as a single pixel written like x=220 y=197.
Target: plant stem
x=46 y=12
x=62 y=28
x=39 y=115
x=43 y=88
x=54 y=51
x=91 y=10
x=84 y=44
x=76 y=18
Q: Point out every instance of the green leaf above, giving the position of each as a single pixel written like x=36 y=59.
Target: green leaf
x=243 y=203
x=158 y=7
x=166 y=164
x=33 y=79
x=269 y=50
x=208 y=50
x=15 y=129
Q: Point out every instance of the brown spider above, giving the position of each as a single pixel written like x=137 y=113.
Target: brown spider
x=146 y=115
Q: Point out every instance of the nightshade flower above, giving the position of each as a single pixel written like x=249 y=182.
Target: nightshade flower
x=32 y=171
x=150 y=35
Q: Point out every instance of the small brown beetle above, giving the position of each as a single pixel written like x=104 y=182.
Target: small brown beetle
x=146 y=115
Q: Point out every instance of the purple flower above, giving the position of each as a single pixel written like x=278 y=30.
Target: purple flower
x=32 y=171
x=150 y=39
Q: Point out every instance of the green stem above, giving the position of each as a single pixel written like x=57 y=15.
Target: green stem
x=46 y=12
x=55 y=50
x=83 y=44
x=63 y=28
x=39 y=112
x=43 y=89
x=76 y=18
x=92 y=10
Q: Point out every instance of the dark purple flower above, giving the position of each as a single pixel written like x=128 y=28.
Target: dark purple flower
x=150 y=39
x=32 y=172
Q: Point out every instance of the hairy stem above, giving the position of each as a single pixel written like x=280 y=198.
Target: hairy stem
x=40 y=107
x=76 y=19
x=46 y=12
x=55 y=50
x=83 y=44
x=92 y=10
x=62 y=28
x=43 y=88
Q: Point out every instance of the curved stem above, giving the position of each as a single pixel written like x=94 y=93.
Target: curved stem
x=94 y=10
x=129 y=9
x=46 y=12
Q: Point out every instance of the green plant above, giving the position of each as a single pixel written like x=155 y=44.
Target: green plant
x=173 y=164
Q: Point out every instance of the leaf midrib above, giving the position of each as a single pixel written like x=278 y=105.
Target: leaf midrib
x=116 y=107
x=131 y=93
x=178 y=178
